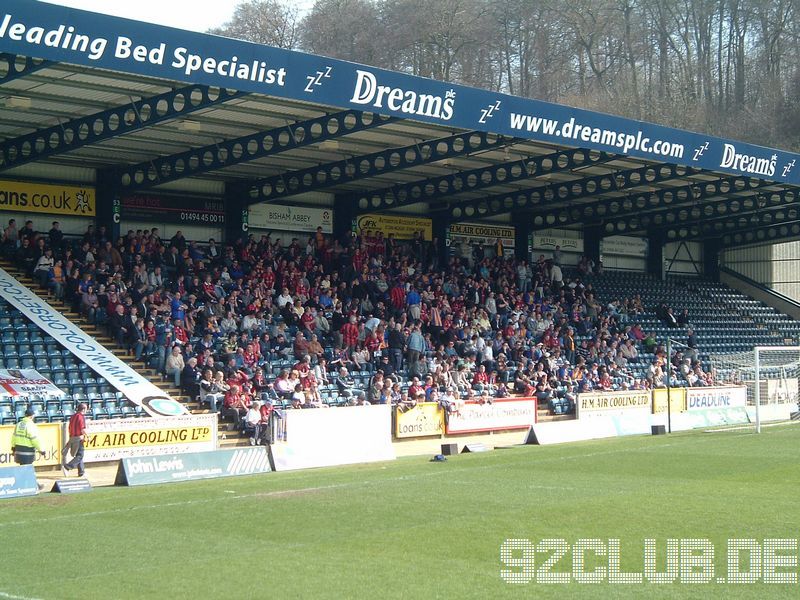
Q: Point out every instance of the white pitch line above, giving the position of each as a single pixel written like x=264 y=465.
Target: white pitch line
x=294 y=491
x=15 y=597
x=112 y=511
x=751 y=426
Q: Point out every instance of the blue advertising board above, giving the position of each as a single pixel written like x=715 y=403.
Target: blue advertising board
x=169 y=468
x=79 y=37
x=16 y=482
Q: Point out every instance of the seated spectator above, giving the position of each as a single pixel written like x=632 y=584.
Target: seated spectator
x=190 y=378
x=361 y=359
x=283 y=386
x=211 y=391
x=346 y=384
x=251 y=424
x=236 y=405
x=175 y=365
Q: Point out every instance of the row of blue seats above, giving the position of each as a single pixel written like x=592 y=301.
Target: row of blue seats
x=9 y=416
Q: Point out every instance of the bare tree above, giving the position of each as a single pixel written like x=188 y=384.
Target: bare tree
x=729 y=67
x=346 y=29
x=270 y=22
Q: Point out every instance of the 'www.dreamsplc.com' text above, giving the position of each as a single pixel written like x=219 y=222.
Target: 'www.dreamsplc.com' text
x=593 y=560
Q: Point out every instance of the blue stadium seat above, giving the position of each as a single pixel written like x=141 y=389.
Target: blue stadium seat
x=6 y=415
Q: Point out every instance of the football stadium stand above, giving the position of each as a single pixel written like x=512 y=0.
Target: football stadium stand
x=310 y=233
x=318 y=325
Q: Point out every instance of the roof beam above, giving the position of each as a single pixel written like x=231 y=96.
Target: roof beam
x=107 y=124
x=735 y=223
x=374 y=164
x=13 y=66
x=214 y=157
x=660 y=208
x=561 y=193
x=778 y=232
x=438 y=188
x=709 y=215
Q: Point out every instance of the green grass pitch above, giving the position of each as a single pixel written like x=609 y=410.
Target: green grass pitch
x=411 y=528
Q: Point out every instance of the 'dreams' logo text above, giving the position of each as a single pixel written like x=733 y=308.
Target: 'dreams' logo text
x=746 y=163
x=367 y=91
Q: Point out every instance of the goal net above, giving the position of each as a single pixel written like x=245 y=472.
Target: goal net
x=770 y=374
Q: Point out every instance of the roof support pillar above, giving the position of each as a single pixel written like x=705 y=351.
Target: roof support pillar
x=711 y=248
x=523 y=230
x=592 y=235
x=108 y=206
x=236 y=214
x=655 y=253
x=344 y=211
x=439 y=254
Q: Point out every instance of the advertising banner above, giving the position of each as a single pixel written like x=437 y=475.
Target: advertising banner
x=711 y=417
x=403 y=228
x=136 y=387
x=290 y=218
x=677 y=397
x=16 y=482
x=704 y=398
x=624 y=245
x=573 y=430
x=425 y=419
x=173 y=209
x=548 y=240
x=26 y=382
x=780 y=390
x=502 y=413
x=77 y=37
x=169 y=468
x=328 y=437
x=608 y=404
x=483 y=234
x=113 y=439
x=52 y=199
x=49 y=438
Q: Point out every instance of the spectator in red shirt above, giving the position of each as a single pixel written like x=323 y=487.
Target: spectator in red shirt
x=350 y=333
x=480 y=380
x=75 y=445
x=236 y=404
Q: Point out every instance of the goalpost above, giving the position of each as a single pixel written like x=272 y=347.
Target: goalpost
x=770 y=374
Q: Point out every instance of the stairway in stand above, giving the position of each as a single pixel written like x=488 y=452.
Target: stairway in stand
x=225 y=438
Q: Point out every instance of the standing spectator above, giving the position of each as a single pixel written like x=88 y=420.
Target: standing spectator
x=350 y=333
x=397 y=344
x=557 y=255
x=11 y=236
x=413 y=300
x=75 y=444
x=416 y=347
x=556 y=277
x=56 y=238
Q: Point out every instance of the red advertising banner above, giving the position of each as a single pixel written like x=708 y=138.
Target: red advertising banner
x=501 y=413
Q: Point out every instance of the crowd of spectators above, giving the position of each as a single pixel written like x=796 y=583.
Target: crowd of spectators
x=268 y=321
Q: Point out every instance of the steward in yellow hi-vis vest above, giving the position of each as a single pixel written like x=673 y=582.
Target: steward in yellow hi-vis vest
x=25 y=441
